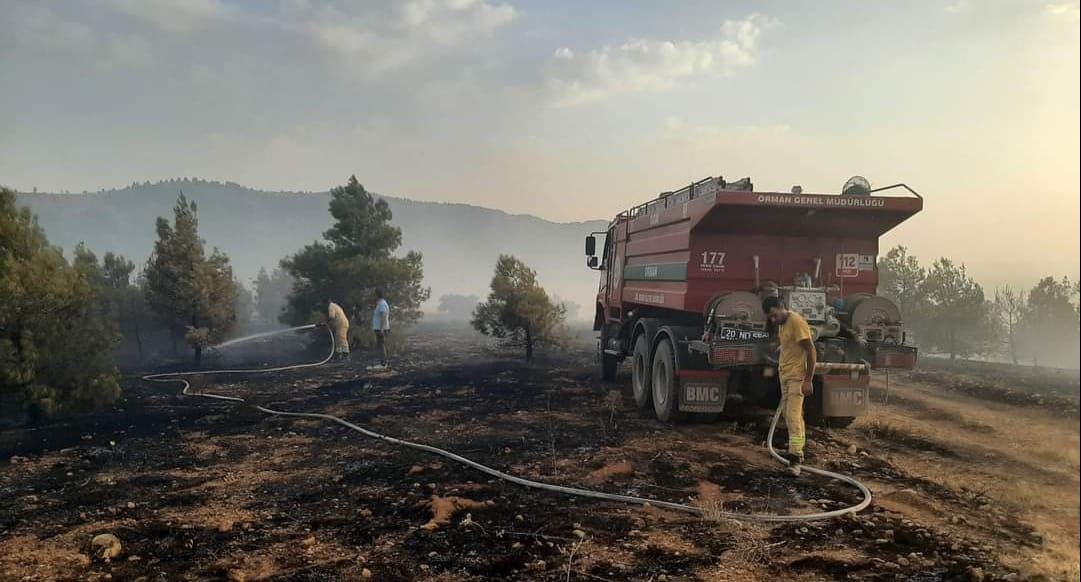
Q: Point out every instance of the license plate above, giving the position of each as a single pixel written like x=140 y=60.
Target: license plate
x=734 y=334
x=702 y=397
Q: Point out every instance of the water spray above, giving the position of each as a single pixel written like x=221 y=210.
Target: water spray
x=575 y=491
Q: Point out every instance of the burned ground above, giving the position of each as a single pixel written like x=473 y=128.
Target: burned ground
x=196 y=489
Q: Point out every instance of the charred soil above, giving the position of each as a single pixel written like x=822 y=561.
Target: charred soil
x=195 y=489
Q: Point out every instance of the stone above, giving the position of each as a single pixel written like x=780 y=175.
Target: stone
x=109 y=545
x=225 y=525
x=974 y=574
x=852 y=450
x=366 y=573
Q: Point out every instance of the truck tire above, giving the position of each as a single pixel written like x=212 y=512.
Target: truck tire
x=642 y=373
x=838 y=421
x=665 y=384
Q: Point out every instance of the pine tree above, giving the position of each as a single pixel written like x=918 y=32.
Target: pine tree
x=518 y=308
x=194 y=295
x=56 y=348
x=356 y=258
x=963 y=322
x=901 y=279
x=1050 y=322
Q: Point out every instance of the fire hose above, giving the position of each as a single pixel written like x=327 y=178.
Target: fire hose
x=575 y=491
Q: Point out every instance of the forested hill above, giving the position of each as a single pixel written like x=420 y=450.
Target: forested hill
x=257 y=228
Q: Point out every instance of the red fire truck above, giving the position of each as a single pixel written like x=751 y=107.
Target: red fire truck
x=682 y=278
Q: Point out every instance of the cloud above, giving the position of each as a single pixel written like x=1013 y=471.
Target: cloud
x=374 y=39
x=645 y=65
x=42 y=33
x=125 y=50
x=1070 y=11
x=37 y=29
x=956 y=7
x=175 y=16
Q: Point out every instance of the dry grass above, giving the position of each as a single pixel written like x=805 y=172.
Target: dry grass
x=749 y=542
x=1021 y=458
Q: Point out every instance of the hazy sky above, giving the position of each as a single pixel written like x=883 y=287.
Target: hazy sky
x=568 y=110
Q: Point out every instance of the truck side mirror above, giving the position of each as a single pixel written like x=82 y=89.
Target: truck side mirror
x=592 y=262
x=591 y=246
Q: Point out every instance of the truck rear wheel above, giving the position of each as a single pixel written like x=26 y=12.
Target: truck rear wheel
x=665 y=383
x=641 y=373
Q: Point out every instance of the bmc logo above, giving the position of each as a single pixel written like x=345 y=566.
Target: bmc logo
x=847 y=397
x=703 y=393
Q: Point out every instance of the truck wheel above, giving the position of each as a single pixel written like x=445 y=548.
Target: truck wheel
x=665 y=384
x=838 y=421
x=641 y=373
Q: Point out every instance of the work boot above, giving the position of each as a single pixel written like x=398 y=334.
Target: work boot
x=795 y=461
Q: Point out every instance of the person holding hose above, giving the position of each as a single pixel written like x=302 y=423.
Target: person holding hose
x=381 y=327
x=339 y=323
x=797 y=368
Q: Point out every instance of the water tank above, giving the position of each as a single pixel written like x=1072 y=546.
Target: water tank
x=865 y=309
x=739 y=305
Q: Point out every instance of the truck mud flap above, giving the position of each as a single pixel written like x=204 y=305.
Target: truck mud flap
x=702 y=390
x=845 y=394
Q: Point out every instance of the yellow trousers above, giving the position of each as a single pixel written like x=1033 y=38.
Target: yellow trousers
x=792 y=405
x=341 y=338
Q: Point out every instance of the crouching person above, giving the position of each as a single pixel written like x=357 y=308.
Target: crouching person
x=339 y=324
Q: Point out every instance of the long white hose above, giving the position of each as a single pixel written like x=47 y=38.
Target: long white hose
x=760 y=517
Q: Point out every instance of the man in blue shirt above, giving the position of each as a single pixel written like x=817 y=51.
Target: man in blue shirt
x=381 y=326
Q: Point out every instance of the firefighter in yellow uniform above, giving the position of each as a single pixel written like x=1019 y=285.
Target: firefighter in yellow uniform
x=339 y=323
x=797 y=366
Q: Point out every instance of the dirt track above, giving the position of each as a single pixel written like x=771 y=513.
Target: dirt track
x=966 y=487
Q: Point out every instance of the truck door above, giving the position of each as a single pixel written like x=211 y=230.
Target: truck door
x=613 y=280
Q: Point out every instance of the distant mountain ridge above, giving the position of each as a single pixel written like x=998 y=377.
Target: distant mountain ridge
x=256 y=228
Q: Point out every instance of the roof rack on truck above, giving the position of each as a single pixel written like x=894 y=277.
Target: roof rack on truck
x=694 y=190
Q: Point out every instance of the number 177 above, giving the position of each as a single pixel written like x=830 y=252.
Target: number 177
x=712 y=258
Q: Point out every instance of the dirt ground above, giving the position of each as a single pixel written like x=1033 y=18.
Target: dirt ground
x=971 y=481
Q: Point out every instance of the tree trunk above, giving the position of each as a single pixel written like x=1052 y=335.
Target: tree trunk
x=139 y=341
x=528 y=345
x=953 y=344
x=198 y=355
